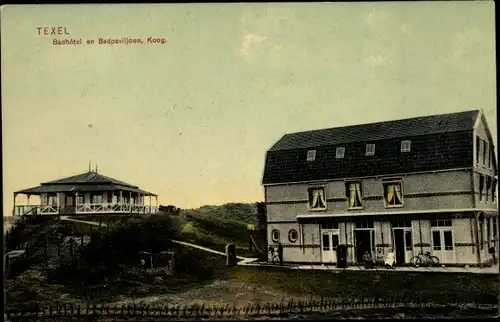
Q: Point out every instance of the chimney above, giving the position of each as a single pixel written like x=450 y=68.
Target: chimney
x=90 y=168
x=96 y=168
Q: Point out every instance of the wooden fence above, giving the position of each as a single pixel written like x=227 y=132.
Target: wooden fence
x=282 y=309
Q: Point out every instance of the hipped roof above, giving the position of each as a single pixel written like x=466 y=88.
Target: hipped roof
x=85 y=182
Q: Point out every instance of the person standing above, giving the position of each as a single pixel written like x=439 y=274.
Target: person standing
x=280 y=253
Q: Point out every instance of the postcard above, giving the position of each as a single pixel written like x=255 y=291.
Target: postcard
x=245 y=161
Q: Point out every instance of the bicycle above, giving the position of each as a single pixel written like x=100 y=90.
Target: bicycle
x=424 y=259
x=273 y=255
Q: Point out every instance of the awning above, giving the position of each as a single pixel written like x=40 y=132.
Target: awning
x=388 y=212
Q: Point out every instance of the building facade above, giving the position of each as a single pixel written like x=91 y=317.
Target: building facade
x=85 y=194
x=426 y=184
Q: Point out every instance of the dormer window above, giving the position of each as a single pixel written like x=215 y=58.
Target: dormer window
x=339 y=153
x=405 y=146
x=311 y=155
x=370 y=149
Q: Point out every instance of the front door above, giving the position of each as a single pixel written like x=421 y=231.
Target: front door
x=399 y=244
x=442 y=245
x=363 y=244
x=329 y=243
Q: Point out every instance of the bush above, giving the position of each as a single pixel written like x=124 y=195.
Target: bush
x=107 y=252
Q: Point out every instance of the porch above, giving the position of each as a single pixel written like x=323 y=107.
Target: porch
x=85 y=208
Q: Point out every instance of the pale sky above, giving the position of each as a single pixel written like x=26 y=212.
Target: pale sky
x=192 y=120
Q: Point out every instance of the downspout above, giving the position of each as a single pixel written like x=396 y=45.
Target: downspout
x=420 y=233
x=320 y=242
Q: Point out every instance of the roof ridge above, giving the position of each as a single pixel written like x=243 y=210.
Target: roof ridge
x=380 y=122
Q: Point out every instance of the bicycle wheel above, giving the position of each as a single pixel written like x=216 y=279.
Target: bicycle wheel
x=415 y=261
x=434 y=261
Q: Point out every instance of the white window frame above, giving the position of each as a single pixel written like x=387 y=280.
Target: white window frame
x=98 y=197
x=324 y=198
x=340 y=152
x=368 y=149
x=406 y=146
x=277 y=239
x=348 y=193
x=388 y=182
x=293 y=240
x=311 y=155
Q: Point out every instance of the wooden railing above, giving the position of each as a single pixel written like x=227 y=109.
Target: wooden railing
x=114 y=207
x=23 y=210
x=85 y=208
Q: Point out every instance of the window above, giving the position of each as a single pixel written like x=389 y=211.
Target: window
x=441 y=223
x=326 y=241
x=311 y=155
x=485 y=152
x=436 y=240
x=364 y=223
x=408 y=240
x=488 y=233
x=393 y=195
x=481 y=186
x=401 y=223
x=330 y=225
x=487 y=190
x=97 y=199
x=490 y=156
x=69 y=201
x=481 y=233
x=293 y=235
x=493 y=189
x=317 y=199
x=335 y=240
x=52 y=200
x=478 y=149
x=370 y=149
x=353 y=192
x=275 y=235
x=79 y=199
x=494 y=223
x=448 y=240
x=405 y=146
x=340 y=153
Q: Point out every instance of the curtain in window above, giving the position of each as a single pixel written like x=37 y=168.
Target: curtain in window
x=352 y=194
x=358 y=193
x=397 y=190
x=322 y=200
x=390 y=193
x=314 y=202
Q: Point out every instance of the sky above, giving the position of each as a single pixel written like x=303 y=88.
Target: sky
x=191 y=119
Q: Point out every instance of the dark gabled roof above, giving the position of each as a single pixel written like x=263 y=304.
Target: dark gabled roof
x=80 y=188
x=438 y=142
x=90 y=177
x=85 y=182
x=379 y=131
